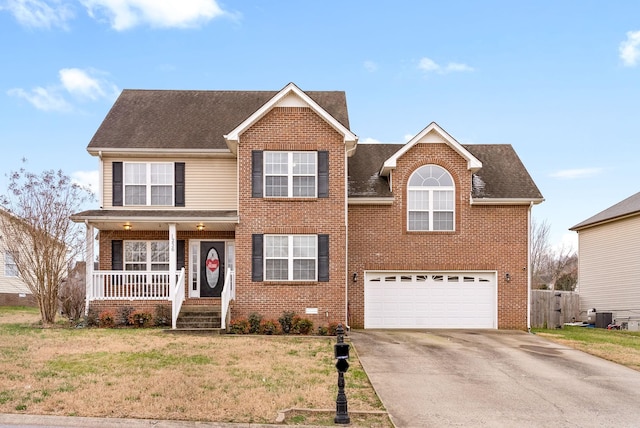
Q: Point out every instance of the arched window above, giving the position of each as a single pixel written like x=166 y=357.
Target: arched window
x=430 y=199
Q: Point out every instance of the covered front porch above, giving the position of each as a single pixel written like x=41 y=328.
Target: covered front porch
x=159 y=257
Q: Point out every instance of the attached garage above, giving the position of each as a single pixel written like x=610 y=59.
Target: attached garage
x=430 y=300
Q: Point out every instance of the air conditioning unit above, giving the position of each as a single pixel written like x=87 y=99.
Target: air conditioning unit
x=634 y=325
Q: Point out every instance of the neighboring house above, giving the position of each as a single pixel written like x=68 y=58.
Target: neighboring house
x=270 y=205
x=609 y=260
x=13 y=291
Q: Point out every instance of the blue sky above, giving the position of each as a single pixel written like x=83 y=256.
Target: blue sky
x=559 y=80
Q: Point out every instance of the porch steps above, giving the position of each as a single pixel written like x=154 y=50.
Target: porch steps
x=199 y=318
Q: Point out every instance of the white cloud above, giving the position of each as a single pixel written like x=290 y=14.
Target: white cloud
x=42 y=98
x=87 y=84
x=81 y=84
x=570 y=174
x=454 y=66
x=88 y=179
x=370 y=66
x=428 y=65
x=629 y=49
x=126 y=14
x=39 y=13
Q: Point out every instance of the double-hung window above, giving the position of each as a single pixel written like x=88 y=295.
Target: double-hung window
x=290 y=257
x=10 y=267
x=430 y=199
x=290 y=174
x=146 y=255
x=149 y=183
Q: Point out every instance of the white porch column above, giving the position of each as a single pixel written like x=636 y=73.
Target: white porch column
x=173 y=252
x=89 y=265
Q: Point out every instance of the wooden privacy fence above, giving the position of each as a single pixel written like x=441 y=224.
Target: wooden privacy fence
x=551 y=308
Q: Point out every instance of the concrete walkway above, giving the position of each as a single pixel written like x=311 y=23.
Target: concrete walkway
x=39 y=421
x=494 y=379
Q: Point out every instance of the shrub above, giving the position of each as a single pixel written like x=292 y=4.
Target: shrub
x=333 y=326
x=323 y=330
x=72 y=297
x=239 y=326
x=254 y=323
x=286 y=321
x=123 y=315
x=92 y=319
x=162 y=316
x=140 y=319
x=269 y=327
x=303 y=325
x=106 y=319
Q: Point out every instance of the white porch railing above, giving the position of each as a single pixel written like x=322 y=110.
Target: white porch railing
x=177 y=298
x=228 y=294
x=152 y=285
x=132 y=285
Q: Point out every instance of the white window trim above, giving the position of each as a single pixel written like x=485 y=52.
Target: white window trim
x=290 y=175
x=148 y=185
x=430 y=210
x=149 y=263
x=290 y=258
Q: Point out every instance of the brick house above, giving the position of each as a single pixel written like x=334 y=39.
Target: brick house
x=263 y=201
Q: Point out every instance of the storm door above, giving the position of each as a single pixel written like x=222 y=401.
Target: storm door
x=211 y=268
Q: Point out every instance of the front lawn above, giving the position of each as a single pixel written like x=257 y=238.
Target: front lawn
x=147 y=373
x=619 y=346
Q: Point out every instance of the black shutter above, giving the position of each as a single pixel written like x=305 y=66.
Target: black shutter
x=179 y=184
x=180 y=254
x=323 y=174
x=323 y=258
x=117 y=184
x=256 y=174
x=256 y=258
x=116 y=255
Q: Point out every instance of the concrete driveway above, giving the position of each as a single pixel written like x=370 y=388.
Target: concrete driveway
x=439 y=378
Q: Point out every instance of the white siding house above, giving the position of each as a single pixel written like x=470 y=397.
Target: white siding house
x=13 y=290
x=609 y=261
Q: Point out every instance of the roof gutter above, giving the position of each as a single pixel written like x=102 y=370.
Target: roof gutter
x=506 y=201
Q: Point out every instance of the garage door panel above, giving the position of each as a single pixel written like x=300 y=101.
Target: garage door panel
x=430 y=300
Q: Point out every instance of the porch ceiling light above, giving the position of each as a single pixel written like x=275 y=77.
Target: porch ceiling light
x=127 y=227
x=200 y=227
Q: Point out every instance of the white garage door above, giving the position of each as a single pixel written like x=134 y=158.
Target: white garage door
x=430 y=300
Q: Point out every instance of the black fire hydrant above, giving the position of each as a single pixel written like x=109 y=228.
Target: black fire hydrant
x=341 y=353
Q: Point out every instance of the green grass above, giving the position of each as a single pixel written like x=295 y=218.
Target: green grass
x=628 y=339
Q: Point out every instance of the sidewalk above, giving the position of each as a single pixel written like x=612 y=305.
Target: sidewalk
x=37 y=421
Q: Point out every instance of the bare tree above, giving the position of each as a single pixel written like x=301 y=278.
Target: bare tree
x=39 y=235
x=547 y=264
x=540 y=254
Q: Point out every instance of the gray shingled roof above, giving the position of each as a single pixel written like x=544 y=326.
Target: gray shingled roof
x=169 y=119
x=629 y=206
x=502 y=176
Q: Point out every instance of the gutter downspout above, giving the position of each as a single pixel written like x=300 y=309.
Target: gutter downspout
x=346 y=234
x=529 y=267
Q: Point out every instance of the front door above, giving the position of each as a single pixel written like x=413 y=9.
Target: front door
x=211 y=268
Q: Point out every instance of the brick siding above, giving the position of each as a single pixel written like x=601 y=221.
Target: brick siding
x=290 y=129
x=485 y=238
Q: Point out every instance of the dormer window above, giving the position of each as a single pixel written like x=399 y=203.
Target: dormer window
x=430 y=200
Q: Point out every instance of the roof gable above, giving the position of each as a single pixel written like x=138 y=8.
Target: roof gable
x=290 y=96
x=624 y=208
x=432 y=134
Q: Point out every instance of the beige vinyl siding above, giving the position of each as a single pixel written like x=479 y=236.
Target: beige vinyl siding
x=10 y=284
x=609 y=268
x=210 y=183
